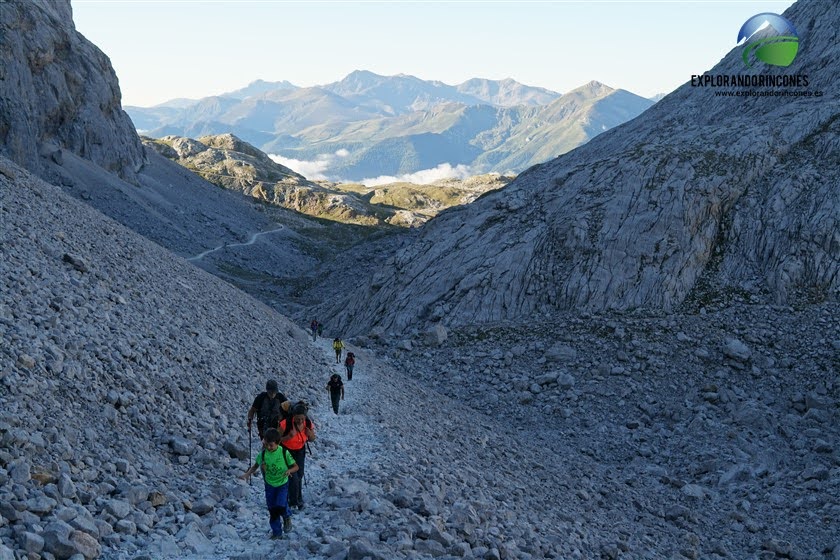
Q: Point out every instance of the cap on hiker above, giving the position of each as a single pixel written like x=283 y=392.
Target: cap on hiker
x=271 y=386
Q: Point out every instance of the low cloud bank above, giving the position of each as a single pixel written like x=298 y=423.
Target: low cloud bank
x=315 y=170
x=318 y=170
x=422 y=177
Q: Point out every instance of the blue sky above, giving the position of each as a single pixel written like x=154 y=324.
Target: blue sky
x=169 y=49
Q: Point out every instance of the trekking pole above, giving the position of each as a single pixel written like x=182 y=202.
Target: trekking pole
x=250 y=479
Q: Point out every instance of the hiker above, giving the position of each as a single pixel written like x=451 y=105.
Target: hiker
x=336 y=388
x=320 y=329
x=269 y=407
x=349 y=362
x=293 y=436
x=338 y=346
x=313 y=326
x=276 y=464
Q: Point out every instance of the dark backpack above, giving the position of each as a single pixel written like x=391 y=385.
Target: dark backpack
x=335 y=383
x=269 y=412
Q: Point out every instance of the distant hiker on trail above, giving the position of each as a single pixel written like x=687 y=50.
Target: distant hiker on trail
x=336 y=388
x=293 y=436
x=349 y=362
x=268 y=407
x=338 y=346
x=276 y=465
x=320 y=329
x=313 y=326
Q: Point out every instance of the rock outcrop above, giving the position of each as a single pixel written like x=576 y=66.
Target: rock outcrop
x=736 y=193
x=59 y=92
x=233 y=164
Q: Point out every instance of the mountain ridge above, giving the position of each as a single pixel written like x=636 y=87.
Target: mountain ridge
x=385 y=122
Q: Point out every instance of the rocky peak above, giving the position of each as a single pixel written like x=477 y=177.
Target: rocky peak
x=594 y=88
x=59 y=92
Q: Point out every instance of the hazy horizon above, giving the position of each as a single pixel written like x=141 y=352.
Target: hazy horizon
x=201 y=49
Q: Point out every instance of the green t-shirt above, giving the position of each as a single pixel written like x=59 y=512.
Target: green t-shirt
x=275 y=466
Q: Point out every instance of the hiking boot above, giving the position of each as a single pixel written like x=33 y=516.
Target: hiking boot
x=287 y=524
x=277 y=536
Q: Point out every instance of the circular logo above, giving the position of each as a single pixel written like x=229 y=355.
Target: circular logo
x=769 y=38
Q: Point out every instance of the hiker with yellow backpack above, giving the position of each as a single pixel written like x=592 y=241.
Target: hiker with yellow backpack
x=338 y=346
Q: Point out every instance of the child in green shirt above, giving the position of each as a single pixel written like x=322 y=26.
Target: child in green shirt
x=276 y=464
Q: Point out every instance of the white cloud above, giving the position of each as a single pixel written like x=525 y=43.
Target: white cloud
x=424 y=176
x=313 y=170
x=318 y=170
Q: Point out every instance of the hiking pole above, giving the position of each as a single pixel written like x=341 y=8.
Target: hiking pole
x=250 y=480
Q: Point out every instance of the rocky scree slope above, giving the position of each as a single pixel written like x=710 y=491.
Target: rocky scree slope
x=111 y=341
x=122 y=369
x=59 y=92
x=739 y=190
x=718 y=429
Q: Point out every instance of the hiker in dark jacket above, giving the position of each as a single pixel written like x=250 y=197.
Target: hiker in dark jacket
x=349 y=362
x=336 y=388
x=268 y=407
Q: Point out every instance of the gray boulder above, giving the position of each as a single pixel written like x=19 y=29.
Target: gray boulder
x=435 y=335
x=57 y=540
x=737 y=350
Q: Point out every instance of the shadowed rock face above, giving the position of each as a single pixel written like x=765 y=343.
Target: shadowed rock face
x=58 y=91
x=739 y=192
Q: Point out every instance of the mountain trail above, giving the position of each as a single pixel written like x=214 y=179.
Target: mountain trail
x=346 y=445
x=231 y=245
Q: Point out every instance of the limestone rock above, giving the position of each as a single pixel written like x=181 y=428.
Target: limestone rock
x=435 y=336
x=60 y=92
x=85 y=545
x=737 y=350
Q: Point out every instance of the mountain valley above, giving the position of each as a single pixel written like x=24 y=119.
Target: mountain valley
x=627 y=351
